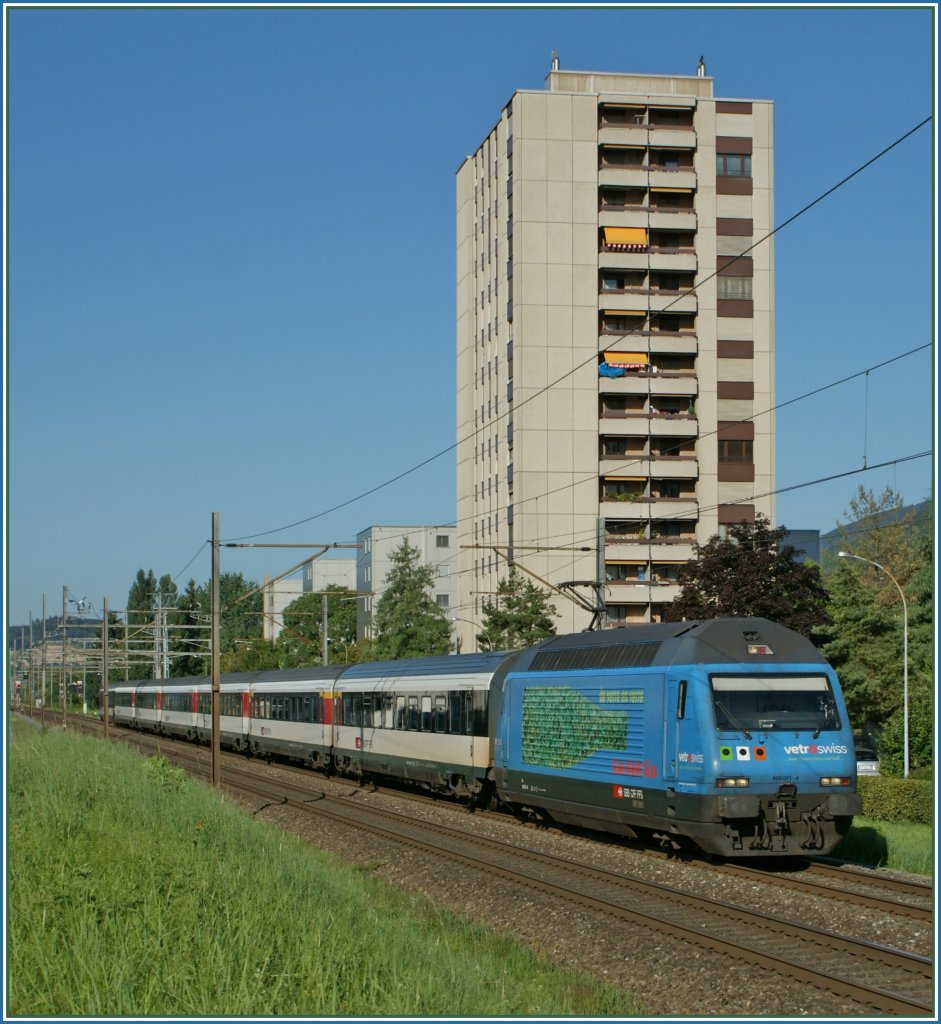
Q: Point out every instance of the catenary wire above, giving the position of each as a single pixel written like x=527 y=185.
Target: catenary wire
x=537 y=394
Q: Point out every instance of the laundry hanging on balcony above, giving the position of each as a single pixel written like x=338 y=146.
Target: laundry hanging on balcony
x=604 y=370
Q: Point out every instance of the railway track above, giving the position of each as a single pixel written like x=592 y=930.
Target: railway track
x=825 y=879
x=874 y=976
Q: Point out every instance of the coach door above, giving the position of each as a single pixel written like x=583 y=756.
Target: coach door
x=364 y=739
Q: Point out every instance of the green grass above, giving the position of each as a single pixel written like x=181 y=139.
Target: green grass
x=135 y=892
x=902 y=846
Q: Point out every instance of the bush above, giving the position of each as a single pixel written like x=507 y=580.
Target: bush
x=887 y=799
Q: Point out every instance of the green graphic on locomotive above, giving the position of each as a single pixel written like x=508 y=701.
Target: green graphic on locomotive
x=561 y=727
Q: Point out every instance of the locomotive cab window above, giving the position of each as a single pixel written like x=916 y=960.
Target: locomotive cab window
x=774 y=703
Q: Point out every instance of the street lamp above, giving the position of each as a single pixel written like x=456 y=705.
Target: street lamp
x=859 y=558
x=482 y=632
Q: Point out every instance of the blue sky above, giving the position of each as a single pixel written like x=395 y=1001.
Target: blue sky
x=213 y=303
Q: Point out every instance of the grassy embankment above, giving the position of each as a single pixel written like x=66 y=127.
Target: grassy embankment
x=134 y=892
x=901 y=846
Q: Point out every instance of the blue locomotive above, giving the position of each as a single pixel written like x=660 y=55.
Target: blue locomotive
x=728 y=733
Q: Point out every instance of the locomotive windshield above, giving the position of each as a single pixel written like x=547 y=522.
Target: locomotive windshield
x=774 y=703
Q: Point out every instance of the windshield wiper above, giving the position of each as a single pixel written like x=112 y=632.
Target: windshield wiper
x=728 y=714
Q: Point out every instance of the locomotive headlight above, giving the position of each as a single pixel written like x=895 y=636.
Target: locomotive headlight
x=836 y=780
x=739 y=783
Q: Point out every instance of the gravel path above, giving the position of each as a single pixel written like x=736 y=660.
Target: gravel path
x=666 y=975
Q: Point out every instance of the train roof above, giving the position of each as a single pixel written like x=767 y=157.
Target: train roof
x=714 y=641
x=441 y=665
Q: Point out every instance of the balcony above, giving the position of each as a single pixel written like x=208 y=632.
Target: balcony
x=673 y=301
x=640 y=592
x=676 y=467
x=650 y=508
x=641 y=382
x=643 y=176
x=642 y=549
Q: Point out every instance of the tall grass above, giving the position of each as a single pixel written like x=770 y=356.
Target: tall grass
x=889 y=844
x=134 y=892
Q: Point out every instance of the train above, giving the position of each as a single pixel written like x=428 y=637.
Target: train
x=727 y=734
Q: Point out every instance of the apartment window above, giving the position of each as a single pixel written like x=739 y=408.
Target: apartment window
x=733 y=288
x=442 y=540
x=733 y=165
x=736 y=451
x=442 y=600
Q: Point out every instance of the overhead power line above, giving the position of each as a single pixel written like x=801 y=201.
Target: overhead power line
x=452 y=447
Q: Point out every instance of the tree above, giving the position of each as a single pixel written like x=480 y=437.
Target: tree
x=407 y=622
x=880 y=529
x=865 y=646
x=301 y=640
x=140 y=618
x=190 y=633
x=251 y=656
x=521 y=614
x=241 y=617
x=749 y=573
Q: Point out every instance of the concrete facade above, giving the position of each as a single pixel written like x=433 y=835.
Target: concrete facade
x=437 y=546
x=615 y=351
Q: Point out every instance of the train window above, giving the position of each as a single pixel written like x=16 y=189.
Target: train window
x=455 y=712
x=413 y=713
x=774 y=702
x=681 y=700
x=426 y=725
x=401 y=718
x=388 y=711
x=441 y=713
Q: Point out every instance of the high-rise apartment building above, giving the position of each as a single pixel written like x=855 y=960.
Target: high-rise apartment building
x=615 y=348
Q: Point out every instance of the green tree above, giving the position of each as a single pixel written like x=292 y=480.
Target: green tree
x=520 y=615
x=140 y=620
x=407 y=622
x=865 y=645
x=879 y=528
x=751 y=573
x=862 y=644
x=301 y=640
x=241 y=616
x=252 y=655
x=190 y=632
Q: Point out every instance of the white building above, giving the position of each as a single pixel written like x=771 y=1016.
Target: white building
x=437 y=546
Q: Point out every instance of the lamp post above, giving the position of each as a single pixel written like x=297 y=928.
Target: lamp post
x=859 y=558
x=481 y=631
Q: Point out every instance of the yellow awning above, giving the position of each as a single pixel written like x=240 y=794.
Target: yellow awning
x=630 y=479
x=625 y=561
x=626 y=358
x=625 y=236
x=625 y=312
x=687 y=190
